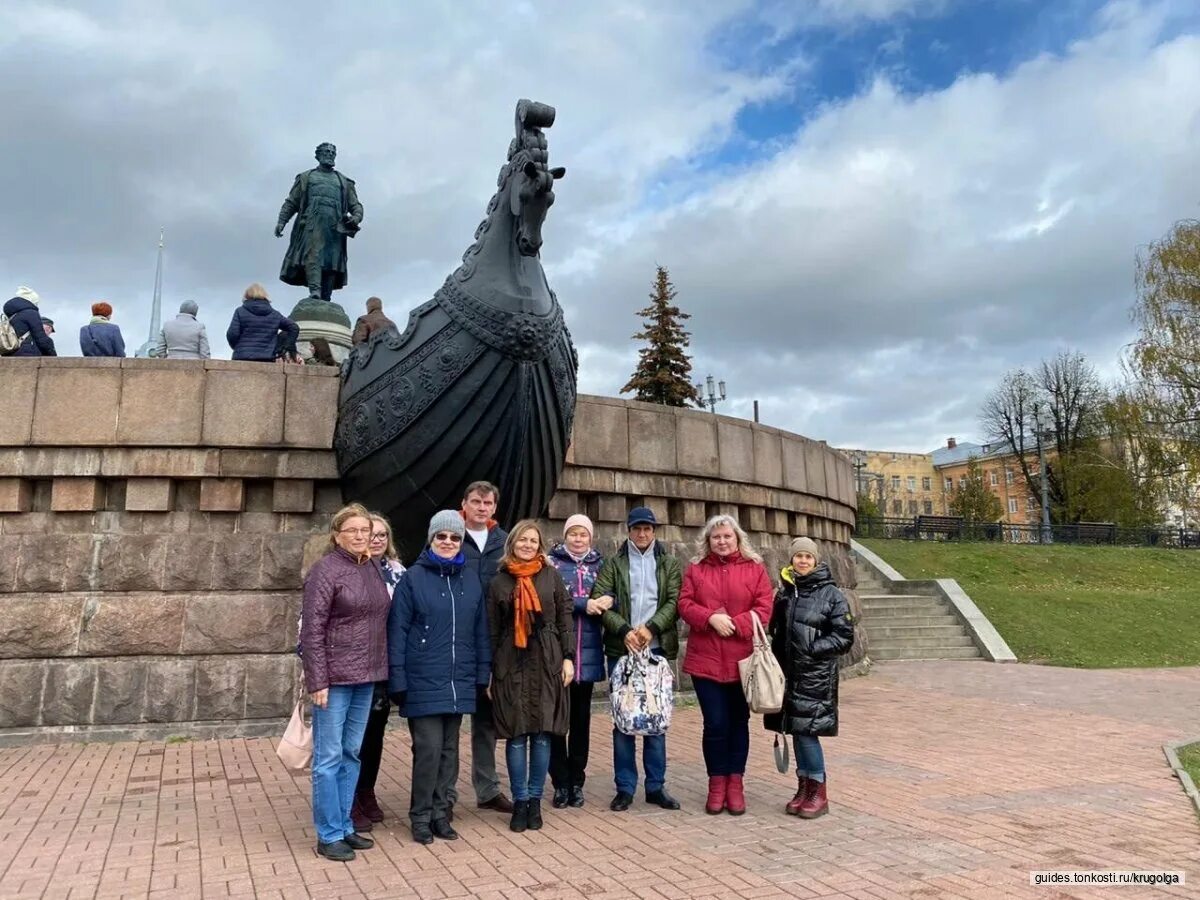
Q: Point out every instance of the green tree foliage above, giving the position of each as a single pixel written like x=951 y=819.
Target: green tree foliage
x=664 y=370
x=973 y=500
x=868 y=506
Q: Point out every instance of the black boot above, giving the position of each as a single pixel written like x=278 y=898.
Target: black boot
x=576 y=797
x=561 y=797
x=535 y=815
x=520 y=816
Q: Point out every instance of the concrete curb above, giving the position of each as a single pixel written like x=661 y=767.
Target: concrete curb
x=982 y=631
x=1189 y=786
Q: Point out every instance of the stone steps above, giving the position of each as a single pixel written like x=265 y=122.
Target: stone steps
x=912 y=626
x=899 y=642
x=882 y=632
x=926 y=653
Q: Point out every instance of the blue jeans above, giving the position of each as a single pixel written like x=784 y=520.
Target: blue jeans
x=810 y=759
x=654 y=754
x=726 y=735
x=337 y=736
x=528 y=758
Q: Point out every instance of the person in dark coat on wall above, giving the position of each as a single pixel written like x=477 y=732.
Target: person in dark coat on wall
x=811 y=627
x=254 y=331
x=533 y=652
x=373 y=321
x=101 y=336
x=439 y=655
x=26 y=321
x=578 y=562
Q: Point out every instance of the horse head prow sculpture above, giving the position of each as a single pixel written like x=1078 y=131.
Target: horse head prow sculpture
x=481 y=383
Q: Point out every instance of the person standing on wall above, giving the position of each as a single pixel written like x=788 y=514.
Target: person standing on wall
x=578 y=562
x=811 y=627
x=725 y=584
x=483 y=547
x=641 y=585
x=344 y=636
x=533 y=649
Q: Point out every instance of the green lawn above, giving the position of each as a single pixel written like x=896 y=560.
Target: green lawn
x=1092 y=607
x=1189 y=758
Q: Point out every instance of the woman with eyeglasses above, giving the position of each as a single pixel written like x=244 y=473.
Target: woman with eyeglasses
x=533 y=649
x=366 y=810
x=438 y=657
x=344 y=635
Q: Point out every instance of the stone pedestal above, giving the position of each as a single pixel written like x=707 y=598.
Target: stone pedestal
x=322 y=319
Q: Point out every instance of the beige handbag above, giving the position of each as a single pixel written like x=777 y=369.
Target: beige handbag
x=762 y=677
x=295 y=748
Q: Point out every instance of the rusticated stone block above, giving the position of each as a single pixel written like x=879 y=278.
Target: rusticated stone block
x=564 y=504
x=20 y=379
x=754 y=518
x=800 y=526
x=149 y=494
x=725 y=509
x=70 y=689
x=171 y=697
x=696 y=444
x=220 y=688
x=242 y=408
x=39 y=626
x=78 y=405
x=292 y=496
x=222 y=495
x=41 y=570
x=76 y=558
x=768 y=458
x=610 y=508
x=131 y=562
x=777 y=521
x=591 y=481
x=270 y=686
x=283 y=555
x=794 y=474
x=143 y=418
x=50 y=462
x=154 y=462
x=250 y=463
x=238 y=623
x=660 y=508
x=16 y=495
x=831 y=473
x=601 y=435
x=736 y=444
x=237 y=562
x=316 y=545
x=137 y=624
x=311 y=407
x=814 y=468
x=688 y=513
x=10 y=561
x=21 y=699
x=77 y=495
x=652 y=440
x=189 y=564
x=316 y=464
x=327 y=498
x=120 y=691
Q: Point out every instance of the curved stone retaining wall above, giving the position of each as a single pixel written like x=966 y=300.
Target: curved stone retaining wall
x=155 y=516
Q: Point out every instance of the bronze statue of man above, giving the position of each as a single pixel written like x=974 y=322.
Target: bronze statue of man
x=327 y=211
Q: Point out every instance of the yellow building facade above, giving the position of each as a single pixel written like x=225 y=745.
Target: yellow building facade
x=902 y=484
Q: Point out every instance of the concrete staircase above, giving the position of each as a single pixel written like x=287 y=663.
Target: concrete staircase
x=910 y=625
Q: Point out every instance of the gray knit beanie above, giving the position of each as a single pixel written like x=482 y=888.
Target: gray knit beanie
x=806 y=545
x=446 y=520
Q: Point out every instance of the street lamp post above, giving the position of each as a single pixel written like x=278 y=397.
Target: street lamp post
x=1046 y=536
x=712 y=399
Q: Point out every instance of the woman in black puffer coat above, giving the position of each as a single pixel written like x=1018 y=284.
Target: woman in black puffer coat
x=811 y=627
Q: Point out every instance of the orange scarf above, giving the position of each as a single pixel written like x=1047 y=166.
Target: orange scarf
x=525 y=598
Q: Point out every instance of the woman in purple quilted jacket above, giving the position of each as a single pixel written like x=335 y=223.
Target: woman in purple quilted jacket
x=344 y=635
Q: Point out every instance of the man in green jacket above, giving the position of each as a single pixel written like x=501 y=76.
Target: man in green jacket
x=639 y=590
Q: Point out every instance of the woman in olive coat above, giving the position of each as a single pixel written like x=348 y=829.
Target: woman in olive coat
x=810 y=628
x=533 y=652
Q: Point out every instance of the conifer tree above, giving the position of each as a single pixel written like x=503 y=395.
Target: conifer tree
x=664 y=370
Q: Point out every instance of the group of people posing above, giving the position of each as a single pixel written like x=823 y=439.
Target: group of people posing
x=514 y=633
x=257 y=331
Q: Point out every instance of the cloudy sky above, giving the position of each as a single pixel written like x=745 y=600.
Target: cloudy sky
x=872 y=208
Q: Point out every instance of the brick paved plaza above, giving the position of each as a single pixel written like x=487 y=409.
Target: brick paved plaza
x=950 y=780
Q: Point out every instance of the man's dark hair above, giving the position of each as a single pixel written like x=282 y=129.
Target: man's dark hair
x=482 y=487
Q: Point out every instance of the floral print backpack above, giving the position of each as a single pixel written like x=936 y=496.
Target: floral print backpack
x=641 y=690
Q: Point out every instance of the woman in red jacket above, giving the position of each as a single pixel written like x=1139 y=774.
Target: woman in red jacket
x=724 y=585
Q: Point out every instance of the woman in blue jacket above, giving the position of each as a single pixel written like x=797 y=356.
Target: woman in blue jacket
x=101 y=336
x=258 y=332
x=578 y=562
x=439 y=655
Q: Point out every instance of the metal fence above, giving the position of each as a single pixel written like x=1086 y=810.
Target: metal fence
x=946 y=529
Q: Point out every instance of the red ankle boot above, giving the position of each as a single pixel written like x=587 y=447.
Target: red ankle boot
x=816 y=803
x=793 y=805
x=735 y=796
x=716 y=794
